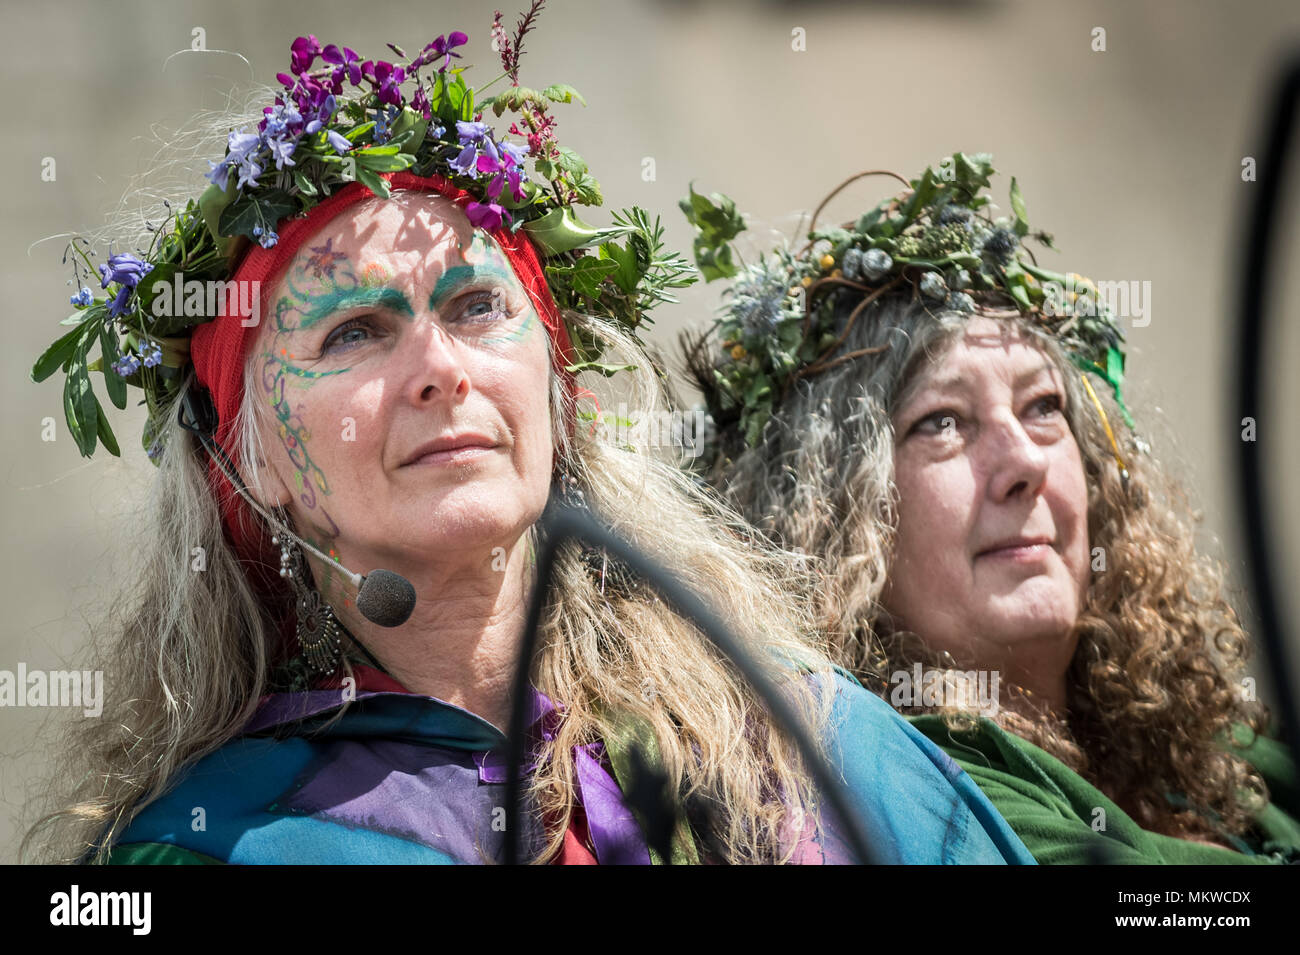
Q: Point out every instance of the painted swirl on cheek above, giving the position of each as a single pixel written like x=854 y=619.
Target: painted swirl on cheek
x=522 y=333
x=293 y=434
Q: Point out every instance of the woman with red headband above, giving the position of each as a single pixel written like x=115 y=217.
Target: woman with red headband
x=388 y=386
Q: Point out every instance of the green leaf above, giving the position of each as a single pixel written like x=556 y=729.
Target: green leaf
x=570 y=161
x=356 y=132
x=628 y=274
x=212 y=205
x=924 y=191
x=145 y=295
x=562 y=231
x=972 y=174
x=79 y=405
x=588 y=189
x=264 y=209
x=304 y=184
x=514 y=99
x=57 y=354
x=384 y=163
x=372 y=181
x=411 y=123
x=387 y=149
x=105 y=433
x=586 y=274
x=607 y=370
x=114 y=385
x=716 y=222
x=1018 y=207
x=563 y=93
x=81 y=314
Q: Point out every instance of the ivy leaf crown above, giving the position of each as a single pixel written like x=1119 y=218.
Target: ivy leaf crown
x=346 y=120
x=777 y=323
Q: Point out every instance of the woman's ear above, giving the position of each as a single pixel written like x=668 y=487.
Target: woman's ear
x=265 y=485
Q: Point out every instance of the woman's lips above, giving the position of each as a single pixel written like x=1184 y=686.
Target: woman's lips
x=459 y=455
x=1022 y=553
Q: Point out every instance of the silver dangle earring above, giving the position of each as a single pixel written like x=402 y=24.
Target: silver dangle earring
x=318 y=628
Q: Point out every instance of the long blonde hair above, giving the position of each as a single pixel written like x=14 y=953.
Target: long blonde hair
x=1155 y=682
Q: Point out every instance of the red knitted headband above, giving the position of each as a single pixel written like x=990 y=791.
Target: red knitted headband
x=218 y=348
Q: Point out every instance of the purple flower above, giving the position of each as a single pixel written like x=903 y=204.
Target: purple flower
x=420 y=103
x=304 y=51
x=464 y=163
x=517 y=154
x=281 y=150
x=152 y=355
x=444 y=47
x=127 y=365
x=470 y=132
x=124 y=269
x=219 y=174
x=485 y=215
x=249 y=170
x=332 y=54
x=339 y=142
x=118 y=306
x=83 y=297
x=268 y=239
x=239 y=145
x=388 y=78
x=515 y=178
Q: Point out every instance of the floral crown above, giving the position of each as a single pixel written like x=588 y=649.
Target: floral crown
x=936 y=239
x=352 y=120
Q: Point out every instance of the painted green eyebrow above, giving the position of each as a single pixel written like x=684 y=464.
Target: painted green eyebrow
x=337 y=301
x=459 y=275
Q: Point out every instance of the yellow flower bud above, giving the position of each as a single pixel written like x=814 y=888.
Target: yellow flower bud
x=806 y=281
x=827 y=260
x=738 y=352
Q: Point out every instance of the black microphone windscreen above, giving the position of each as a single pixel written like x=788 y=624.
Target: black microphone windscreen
x=386 y=598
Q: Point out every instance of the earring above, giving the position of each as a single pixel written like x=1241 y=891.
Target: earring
x=318 y=628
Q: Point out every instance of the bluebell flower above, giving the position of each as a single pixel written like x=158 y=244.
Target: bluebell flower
x=219 y=174
x=517 y=154
x=249 y=170
x=281 y=150
x=257 y=230
x=118 y=306
x=241 y=145
x=470 y=132
x=125 y=269
x=269 y=239
x=465 y=162
x=338 y=141
x=83 y=297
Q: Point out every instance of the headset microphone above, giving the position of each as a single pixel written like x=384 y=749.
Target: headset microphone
x=383 y=597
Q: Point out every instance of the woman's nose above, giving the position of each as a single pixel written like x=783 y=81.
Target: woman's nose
x=439 y=369
x=1017 y=464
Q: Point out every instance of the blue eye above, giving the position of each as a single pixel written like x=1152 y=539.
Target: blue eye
x=485 y=306
x=346 y=334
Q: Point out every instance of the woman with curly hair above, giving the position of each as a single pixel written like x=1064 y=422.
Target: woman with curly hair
x=388 y=381
x=993 y=561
